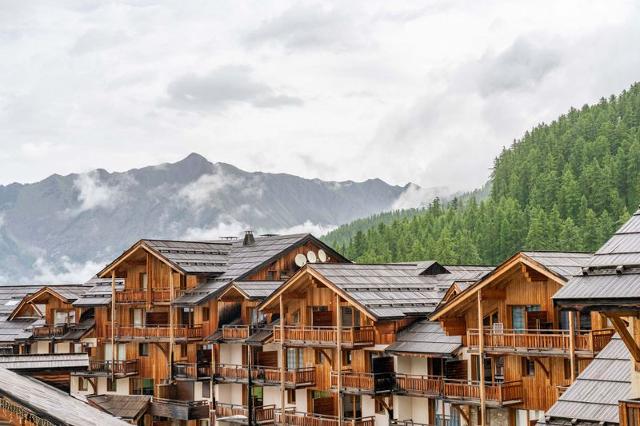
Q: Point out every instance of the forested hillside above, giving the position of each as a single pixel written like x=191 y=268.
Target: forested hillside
x=563 y=186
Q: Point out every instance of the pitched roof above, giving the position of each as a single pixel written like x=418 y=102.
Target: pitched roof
x=564 y=264
x=128 y=407
x=254 y=289
x=426 y=338
x=68 y=293
x=613 y=272
x=50 y=403
x=243 y=260
x=194 y=257
x=387 y=291
x=594 y=396
x=99 y=293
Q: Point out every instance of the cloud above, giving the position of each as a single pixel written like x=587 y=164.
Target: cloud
x=415 y=196
x=227 y=227
x=306 y=27
x=95 y=40
x=223 y=87
x=521 y=66
x=63 y=271
x=206 y=188
x=316 y=229
x=93 y=193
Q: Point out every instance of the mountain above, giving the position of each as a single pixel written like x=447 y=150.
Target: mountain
x=566 y=185
x=66 y=227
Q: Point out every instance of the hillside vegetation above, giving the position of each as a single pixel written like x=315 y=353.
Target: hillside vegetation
x=565 y=186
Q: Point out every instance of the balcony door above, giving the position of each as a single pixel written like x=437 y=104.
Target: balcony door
x=121 y=352
x=352 y=406
x=350 y=317
x=137 y=317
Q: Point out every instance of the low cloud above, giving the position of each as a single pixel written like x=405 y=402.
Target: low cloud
x=228 y=227
x=224 y=87
x=415 y=196
x=64 y=270
x=204 y=190
x=93 y=193
x=316 y=229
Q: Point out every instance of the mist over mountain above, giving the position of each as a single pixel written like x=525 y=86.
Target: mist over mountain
x=66 y=227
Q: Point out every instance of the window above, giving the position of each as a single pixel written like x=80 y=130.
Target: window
x=143 y=349
x=350 y=317
x=585 y=321
x=518 y=319
x=528 y=367
x=206 y=389
x=490 y=319
x=137 y=317
x=291 y=396
x=112 y=385
x=379 y=407
x=82 y=384
x=109 y=314
x=567 y=369
x=65 y=317
x=295 y=317
x=319 y=356
x=141 y=386
x=183 y=350
x=272 y=275
x=294 y=358
x=346 y=357
x=321 y=394
x=144 y=282
x=205 y=314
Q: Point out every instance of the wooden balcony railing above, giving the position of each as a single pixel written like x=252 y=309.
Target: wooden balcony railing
x=191 y=370
x=325 y=336
x=293 y=378
x=295 y=418
x=548 y=341
x=118 y=368
x=364 y=383
x=438 y=422
x=47 y=331
x=419 y=385
x=131 y=296
x=629 y=412
x=162 y=332
x=155 y=295
x=498 y=393
x=261 y=415
x=181 y=410
x=231 y=373
x=235 y=332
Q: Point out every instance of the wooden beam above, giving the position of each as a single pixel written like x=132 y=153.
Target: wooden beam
x=541 y=364
x=339 y=355
x=627 y=338
x=113 y=321
x=283 y=359
x=572 y=344
x=494 y=293
x=326 y=355
x=171 y=324
x=483 y=402
x=464 y=415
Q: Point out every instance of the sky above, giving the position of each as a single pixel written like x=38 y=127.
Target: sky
x=408 y=91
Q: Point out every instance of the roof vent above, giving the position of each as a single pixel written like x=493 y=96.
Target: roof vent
x=249 y=239
x=585 y=271
x=620 y=269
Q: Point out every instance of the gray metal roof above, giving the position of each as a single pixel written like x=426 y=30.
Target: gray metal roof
x=389 y=290
x=52 y=404
x=257 y=289
x=44 y=361
x=600 y=281
x=123 y=406
x=244 y=260
x=194 y=257
x=427 y=338
x=99 y=293
x=594 y=396
x=565 y=264
x=10 y=298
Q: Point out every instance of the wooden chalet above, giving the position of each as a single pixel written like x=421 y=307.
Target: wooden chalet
x=337 y=320
x=610 y=284
x=155 y=318
x=520 y=351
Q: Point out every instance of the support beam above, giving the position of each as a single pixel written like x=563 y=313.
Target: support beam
x=171 y=325
x=542 y=366
x=483 y=402
x=326 y=355
x=572 y=344
x=339 y=352
x=627 y=338
x=464 y=415
x=113 y=321
x=283 y=360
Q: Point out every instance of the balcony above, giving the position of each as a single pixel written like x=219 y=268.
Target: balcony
x=544 y=342
x=415 y=385
x=136 y=296
x=233 y=413
x=293 y=378
x=180 y=410
x=155 y=332
x=235 y=333
x=358 y=383
x=117 y=368
x=497 y=394
x=295 y=418
x=50 y=331
x=438 y=422
x=192 y=371
x=266 y=376
x=629 y=412
x=351 y=337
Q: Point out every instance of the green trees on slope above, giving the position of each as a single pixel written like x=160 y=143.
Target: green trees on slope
x=564 y=186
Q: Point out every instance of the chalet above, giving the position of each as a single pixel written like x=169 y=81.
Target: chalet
x=153 y=332
x=610 y=284
x=519 y=350
x=335 y=322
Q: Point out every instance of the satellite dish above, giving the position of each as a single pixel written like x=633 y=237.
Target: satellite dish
x=300 y=260
x=322 y=256
x=311 y=256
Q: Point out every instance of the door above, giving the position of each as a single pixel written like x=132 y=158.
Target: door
x=138 y=318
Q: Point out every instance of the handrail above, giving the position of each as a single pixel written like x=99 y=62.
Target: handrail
x=198 y=403
x=298 y=418
x=543 y=339
x=325 y=334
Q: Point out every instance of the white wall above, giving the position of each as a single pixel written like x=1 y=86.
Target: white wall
x=369 y=409
x=230 y=353
x=229 y=393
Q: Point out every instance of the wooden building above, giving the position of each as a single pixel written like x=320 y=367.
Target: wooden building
x=610 y=284
x=520 y=351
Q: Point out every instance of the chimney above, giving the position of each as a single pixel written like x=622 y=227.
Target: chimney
x=249 y=240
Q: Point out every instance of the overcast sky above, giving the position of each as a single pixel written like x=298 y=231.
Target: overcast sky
x=427 y=92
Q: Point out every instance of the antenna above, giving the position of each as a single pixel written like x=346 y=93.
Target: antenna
x=300 y=260
x=322 y=256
